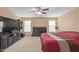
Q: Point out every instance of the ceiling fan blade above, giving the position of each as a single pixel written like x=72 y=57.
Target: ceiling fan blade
x=45 y=9
x=43 y=12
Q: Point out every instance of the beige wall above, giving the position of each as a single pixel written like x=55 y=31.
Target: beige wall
x=6 y=13
x=69 y=21
x=39 y=21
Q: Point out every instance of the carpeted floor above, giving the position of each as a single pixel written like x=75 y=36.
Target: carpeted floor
x=26 y=44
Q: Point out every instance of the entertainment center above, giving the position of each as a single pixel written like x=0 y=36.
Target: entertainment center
x=9 y=32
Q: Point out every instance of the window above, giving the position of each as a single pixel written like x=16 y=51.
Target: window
x=1 y=26
x=52 y=25
x=27 y=26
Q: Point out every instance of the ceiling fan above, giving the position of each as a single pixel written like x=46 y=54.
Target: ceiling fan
x=40 y=10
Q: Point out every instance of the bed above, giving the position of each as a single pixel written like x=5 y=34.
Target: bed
x=65 y=41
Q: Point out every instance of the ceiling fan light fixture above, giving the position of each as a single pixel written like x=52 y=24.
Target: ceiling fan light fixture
x=38 y=13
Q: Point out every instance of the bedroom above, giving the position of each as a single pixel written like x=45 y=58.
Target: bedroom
x=35 y=21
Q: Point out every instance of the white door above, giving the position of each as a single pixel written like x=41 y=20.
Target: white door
x=27 y=26
x=52 y=26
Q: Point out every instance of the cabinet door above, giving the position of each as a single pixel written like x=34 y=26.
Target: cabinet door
x=10 y=41
x=4 y=42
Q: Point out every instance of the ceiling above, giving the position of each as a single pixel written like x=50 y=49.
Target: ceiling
x=28 y=11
